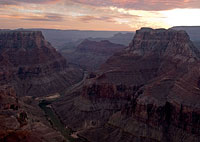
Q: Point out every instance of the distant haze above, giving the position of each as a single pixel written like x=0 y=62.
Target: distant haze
x=60 y=38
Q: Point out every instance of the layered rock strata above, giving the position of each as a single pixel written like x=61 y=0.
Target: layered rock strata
x=149 y=92
x=30 y=64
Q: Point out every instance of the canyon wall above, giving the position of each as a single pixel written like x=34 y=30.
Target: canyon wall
x=147 y=93
x=30 y=64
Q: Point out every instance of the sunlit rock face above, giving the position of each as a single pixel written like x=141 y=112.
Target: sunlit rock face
x=149 y=92
x=32 y=65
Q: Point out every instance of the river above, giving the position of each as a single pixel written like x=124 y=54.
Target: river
x=45 y=105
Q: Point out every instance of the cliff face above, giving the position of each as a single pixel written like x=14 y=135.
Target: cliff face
x=152 y=53
x=148 y=92
x=32 y=65
x=29 y=66
x=28 y=48
x=164 y=43
x=193 y=31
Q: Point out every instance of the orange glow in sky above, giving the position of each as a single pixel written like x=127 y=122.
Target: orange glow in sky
x=117 y=15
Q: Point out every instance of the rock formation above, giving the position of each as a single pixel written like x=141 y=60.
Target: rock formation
x=193 y=31
x=29 y=67
x=91 y=54
x=21 y=120
x=30 y=64
x=148 y=92
x=101 y=47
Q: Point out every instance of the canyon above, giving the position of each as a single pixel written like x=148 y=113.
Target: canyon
x=30 y=67
x=147 y=92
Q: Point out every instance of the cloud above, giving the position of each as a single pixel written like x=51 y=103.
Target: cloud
x=94 y=14
x=17 y=2
x=108 y=18
x=93 y=18
x=77 y=15
x=38 y=1
x=149 y=5
x=45 y=17
x=5 y=2
x=32 y=17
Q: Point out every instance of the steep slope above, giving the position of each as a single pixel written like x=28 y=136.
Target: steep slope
x=147 y=93
x=21 y=120
x=91 y=54
x=30 y=64
x=151 y=54
x=193 y=31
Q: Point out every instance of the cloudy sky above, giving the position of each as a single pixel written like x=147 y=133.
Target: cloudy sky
x=120 y=15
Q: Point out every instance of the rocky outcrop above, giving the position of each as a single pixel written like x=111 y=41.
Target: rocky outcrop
x=8 y=98
x=21 y=120
x=149 y=92
x=32 y=65
x=91 y=54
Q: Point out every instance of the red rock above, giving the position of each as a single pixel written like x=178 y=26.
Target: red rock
x=23 y=122
x=32 y=65
x=150 y=91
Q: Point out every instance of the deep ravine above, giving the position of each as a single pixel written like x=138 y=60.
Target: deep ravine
x=53 y=118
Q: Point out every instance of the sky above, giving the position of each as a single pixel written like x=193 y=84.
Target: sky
x=109 y=15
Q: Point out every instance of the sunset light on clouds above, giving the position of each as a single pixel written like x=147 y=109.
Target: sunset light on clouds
x=119 y=15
